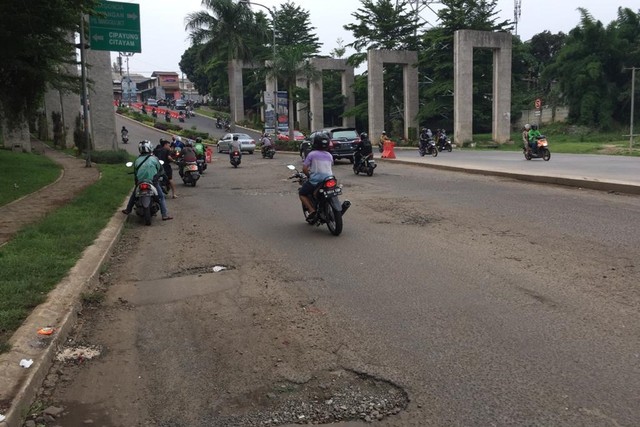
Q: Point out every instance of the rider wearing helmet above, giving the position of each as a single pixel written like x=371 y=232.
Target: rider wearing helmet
x=317 y=166
x=266 y=142
x=525 y=135
x=235 y=146
x=363 y=150
x=147 y=168
x=187 y=155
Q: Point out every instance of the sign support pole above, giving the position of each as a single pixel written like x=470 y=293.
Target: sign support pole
x=85 y=98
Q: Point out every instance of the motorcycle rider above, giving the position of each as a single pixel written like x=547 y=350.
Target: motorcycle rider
x=235 y=146
x=442 y=138
x=425 y=136
x=165 y=154
x=147 y=168
x=186 y=155
x=199 y=148
x=525 y=136
x=266 y=142
x=124 y=133
x=317 y=166
x=363 y=150
x=534 y=133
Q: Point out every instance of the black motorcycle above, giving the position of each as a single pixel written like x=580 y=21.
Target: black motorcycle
x=167 y=117
x=202 y=164
x=218 y=123
x=325 y=199
x=268 y=152
x=235 y=158
x=125 y=138
x=427 y=146
x=444 y=143
x=365 y=165
x=147 y=201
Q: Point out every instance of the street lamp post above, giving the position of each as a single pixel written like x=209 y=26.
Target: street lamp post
x=273 y=64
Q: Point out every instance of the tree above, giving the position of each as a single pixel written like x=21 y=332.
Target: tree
x=191 y=65
x=293 y=28
x=35 y=45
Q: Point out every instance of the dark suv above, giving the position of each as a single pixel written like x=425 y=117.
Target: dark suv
x=343 y=141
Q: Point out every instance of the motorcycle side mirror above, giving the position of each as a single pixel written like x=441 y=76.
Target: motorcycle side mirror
x=129 y=164
x=291 y=167
x=161 y=162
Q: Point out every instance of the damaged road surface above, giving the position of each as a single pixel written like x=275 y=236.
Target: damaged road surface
x=436 y=306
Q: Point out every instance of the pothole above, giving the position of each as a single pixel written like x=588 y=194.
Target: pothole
x=328 y=397
x=214 y=268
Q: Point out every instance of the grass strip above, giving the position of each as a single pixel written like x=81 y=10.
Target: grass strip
x=42 y=254
x=24 y=173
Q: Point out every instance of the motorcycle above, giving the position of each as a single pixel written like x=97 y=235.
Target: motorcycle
x=146 y=198
x=202 y=165
x=227 y=126
x=365 y=165
x=181 y=118
x=427 y=147
x=167 y=117
x=541 y=151
x=125 y=138
x=444 y=143
x=268 y=152
x=218 y=123
x=189 y=173
x=305 y=148
x=235 y=158
x=325 y=199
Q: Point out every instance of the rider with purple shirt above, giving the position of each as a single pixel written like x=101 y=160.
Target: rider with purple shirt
x=317 y=166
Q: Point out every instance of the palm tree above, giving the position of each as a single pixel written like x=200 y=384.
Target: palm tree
x=227 y=30
x=290 y=63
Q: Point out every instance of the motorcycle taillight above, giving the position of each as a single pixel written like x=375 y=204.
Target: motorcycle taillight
x=145 y=187
x=330 y=183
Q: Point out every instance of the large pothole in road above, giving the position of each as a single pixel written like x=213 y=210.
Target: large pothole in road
x=328 y=397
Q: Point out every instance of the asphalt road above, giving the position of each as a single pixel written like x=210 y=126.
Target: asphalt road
x=489 y=301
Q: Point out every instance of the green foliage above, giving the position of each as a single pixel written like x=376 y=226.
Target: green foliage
x=24 y=173
x=79 y=136
x=58 y=129
x=192 y=134
x=39 y=256
x=110 y=157
x=293 y=28
x=37 y=52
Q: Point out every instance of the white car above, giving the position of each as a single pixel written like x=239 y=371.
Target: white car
x=247 y=143
x=152 y=102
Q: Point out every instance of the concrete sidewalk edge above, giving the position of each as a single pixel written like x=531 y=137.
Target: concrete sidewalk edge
x=541 y=179
x=20 y=385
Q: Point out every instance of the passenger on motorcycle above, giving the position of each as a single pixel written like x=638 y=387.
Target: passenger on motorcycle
x=177 y=143
x=266 y=142
x=187 y=155
x=147 y=168
x=534 y=133
x=165 y=154
x=363 y=150
x=425 y=135
x=525 y=136
x=317 y=166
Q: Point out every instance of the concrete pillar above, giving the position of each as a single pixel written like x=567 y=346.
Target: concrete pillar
x=463 y=44
x=316 y=90
x=236 y=91
x=102 y=114
x=376 y=60
x=66 y=103
x=348 y=80
x=17 y=138
x=317 y=105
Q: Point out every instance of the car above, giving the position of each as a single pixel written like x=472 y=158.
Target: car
x=181 y=104
x=297 y=135
x=247 y=143
x=343 y=141
x=151 y=102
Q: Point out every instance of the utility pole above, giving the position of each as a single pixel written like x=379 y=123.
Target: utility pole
x=85 y=97
x=633 y=96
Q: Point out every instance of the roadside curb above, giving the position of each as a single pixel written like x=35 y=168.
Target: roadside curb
x=542 y=179
x=19 y=385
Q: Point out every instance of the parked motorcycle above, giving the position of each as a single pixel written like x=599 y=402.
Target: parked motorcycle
x=189 y=173
x=366 y=165
x=428 y=147
x=541 y=151
x=147 y=201
x=235 y=158
x=325 y=199
x=268 y=152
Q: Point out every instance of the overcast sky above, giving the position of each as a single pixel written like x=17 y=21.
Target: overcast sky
x=164 y=38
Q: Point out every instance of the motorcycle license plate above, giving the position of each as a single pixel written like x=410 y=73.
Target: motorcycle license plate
x=333 y=191
x=192 y=168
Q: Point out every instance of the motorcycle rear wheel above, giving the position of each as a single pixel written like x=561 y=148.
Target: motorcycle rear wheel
x=333 y=220
x=147 y=215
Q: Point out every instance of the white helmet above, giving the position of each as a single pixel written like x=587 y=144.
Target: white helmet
x=527 y=126
x=144 y=147
x=178 y=139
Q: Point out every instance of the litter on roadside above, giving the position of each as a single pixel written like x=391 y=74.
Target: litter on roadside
x=25 y=363
x=78 y=354
x=2 y=417
x=219 y=268
x=48 y=330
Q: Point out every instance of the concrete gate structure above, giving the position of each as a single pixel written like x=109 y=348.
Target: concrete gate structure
x=376 y=60
x=236 y=88
x=464 y=42
x=316 y=91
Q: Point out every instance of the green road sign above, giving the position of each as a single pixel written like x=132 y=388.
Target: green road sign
x=116 y=27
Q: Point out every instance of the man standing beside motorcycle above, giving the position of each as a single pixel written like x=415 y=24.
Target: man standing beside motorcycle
x=147 y=168
x=317 y=166
x=363 y=150
x=164 y=154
